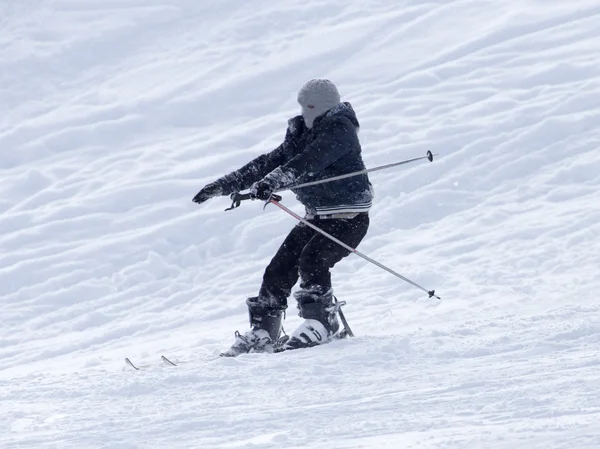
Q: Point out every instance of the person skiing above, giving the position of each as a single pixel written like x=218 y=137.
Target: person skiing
x=320 y=143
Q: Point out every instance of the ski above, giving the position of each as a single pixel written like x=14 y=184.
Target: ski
x=344 y=333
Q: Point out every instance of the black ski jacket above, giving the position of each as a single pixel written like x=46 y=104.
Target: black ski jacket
x=330 y=148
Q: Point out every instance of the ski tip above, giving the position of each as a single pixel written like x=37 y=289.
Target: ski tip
x=430 y=156
x=130 y=363
x=167 y=361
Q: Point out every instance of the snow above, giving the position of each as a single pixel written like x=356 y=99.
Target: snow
x=113 y=114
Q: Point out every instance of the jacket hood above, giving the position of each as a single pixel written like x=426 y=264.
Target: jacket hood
x=343 y=109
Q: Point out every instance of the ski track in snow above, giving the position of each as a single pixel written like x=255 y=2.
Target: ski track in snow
x=114 y=114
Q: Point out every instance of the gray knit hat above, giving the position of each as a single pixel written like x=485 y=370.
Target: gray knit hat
x=316 y=98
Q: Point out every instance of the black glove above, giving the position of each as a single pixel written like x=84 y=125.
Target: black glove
x=261 y=190
x=211 y=190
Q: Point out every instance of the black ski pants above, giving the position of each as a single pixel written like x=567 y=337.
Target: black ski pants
x=309 y=255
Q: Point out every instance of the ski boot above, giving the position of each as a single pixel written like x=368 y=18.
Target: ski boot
x=265 y=325
x=320 y=326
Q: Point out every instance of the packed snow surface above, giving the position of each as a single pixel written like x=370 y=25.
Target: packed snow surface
x=113 y=114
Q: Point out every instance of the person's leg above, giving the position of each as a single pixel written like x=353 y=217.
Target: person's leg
x=315 y=297
x=282 y=272
x=321 y=254
x=266 y=310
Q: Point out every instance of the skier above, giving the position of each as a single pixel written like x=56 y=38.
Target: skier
x=320 y=143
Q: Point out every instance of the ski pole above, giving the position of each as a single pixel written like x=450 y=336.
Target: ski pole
x=237 y=199
x=428 y=156
x=275 y=200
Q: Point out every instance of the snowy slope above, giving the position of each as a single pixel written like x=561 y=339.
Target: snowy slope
x=113 y=114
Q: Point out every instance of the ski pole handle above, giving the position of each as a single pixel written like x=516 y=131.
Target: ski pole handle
x=237 y=198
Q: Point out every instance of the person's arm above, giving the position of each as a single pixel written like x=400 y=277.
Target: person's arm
x=244 y=177
x=332 y=144
x=257 y=169
x=254 y=170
